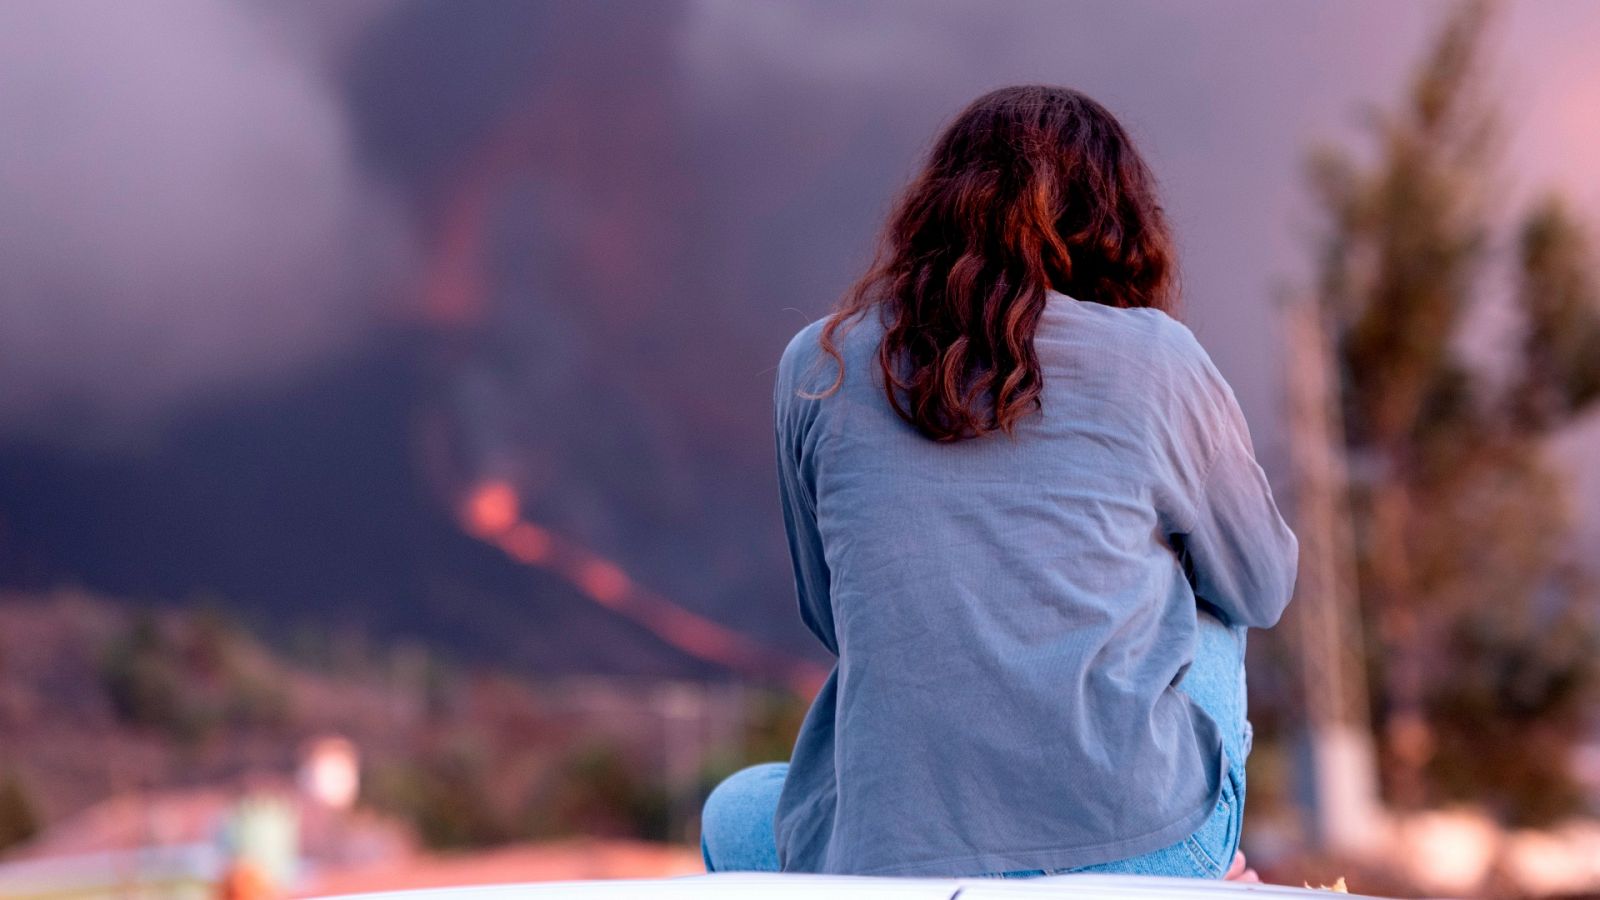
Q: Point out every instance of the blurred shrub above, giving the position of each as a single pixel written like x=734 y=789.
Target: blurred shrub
x=455 y=797
x=447 y=795
x=600 y=791
x=19 y=818
x=189 y=677
x=772 y=723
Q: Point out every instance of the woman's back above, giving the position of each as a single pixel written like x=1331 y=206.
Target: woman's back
x=1006 y=510
x=1011 y=612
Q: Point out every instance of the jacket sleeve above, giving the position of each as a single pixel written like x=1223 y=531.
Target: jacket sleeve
x=1240 y=555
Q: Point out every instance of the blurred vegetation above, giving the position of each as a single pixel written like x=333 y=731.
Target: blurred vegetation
x=455 y=797
x=448 y=795
x=188 y=678
x=600 y=791
x=1482 y=643
x=19 y=818
x=457 y=790
x=772 y=722
x=467 y=757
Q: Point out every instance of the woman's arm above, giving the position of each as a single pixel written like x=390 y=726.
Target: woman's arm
x=793 y=417
x=1241 y=556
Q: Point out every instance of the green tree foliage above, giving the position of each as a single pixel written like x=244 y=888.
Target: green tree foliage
x=457 y=795
x=600 y=791
x=142 y=677
x=448 y=795
x=1561 y=375
x=19 y=819
x=1482 y=643
x=773 y=718
x=188 y=678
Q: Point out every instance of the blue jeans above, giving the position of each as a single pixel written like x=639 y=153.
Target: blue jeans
x=736 y=832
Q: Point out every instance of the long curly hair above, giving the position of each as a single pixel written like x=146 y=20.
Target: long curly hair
x=1031 y=188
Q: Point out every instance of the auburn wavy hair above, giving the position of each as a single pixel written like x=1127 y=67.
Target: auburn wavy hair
x=1030 y=188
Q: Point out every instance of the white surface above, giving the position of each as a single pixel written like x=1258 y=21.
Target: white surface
x=769 y=886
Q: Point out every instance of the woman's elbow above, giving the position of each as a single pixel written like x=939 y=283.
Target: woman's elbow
x=1279 y=589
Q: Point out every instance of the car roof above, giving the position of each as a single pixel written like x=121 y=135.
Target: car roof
x=774 y=886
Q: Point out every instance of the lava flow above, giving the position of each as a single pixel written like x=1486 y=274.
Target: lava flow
x=492 y=513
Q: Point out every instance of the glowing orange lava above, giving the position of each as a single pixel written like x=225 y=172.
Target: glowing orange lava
x=527 y=544
x=492 y=513
x=491 y=510
x=604 y=582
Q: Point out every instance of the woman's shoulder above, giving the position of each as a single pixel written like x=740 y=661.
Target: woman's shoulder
x=1192 y=365
x=1146 y=326
x=1157 y=345
x=1183 y=347
x=802 y=355
x=1193 y=383
x=807 y=367
x=805 y=346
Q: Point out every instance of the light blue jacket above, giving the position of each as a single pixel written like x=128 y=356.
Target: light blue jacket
x=1010 y=613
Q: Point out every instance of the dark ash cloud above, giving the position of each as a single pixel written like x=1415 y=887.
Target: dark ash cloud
x=181 y=212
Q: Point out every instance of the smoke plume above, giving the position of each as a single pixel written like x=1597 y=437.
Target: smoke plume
x=181 y=212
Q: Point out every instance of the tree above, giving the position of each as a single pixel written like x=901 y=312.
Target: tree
x=1482 y=626
x=19 y=819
